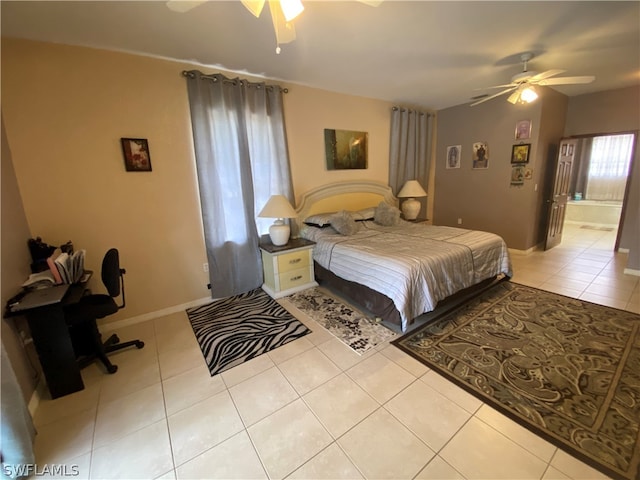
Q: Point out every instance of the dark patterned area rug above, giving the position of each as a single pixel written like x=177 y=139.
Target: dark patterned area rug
x=236 y=329
x=567 y=369
x=344 y=322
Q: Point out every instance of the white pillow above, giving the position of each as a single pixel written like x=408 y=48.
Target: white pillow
x=364 y=214
x=319 y=219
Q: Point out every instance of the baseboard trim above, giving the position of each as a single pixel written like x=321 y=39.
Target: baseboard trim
x=109 y=327
x=631 y=271
x=525 y=252
x=38 y=393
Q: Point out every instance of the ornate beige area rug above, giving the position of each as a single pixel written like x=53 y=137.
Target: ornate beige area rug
x=567 y=369
x=343 y=321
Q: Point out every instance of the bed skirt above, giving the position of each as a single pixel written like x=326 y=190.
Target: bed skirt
x=380 y=305
x=374 y=302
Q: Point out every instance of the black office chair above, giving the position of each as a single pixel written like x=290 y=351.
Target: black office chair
x=82 y=317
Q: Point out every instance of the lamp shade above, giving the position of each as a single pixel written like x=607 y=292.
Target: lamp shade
x=412 y=189
x=278 y=207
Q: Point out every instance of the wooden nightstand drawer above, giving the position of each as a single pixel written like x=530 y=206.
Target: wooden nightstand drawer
x=295 y=278
x=294 y=260
x=287 y=268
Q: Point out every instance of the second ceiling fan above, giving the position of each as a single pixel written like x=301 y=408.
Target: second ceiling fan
x=521 y=86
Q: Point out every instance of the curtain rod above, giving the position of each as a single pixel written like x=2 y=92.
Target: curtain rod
x=410 y=110
x=234 y=81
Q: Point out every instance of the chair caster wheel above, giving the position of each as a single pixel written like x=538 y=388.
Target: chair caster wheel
x=116 y=339
x=139 y=344
x=112 y=369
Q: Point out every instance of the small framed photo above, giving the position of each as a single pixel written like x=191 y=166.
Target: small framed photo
x=517 y=175
x=523 y=129
x=453 y=156
x=520 y=153
x=480 y=156
x=136 y=154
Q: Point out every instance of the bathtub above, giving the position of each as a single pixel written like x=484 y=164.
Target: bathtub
x=593 y=211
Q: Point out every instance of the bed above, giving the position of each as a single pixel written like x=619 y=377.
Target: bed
x=399 y=271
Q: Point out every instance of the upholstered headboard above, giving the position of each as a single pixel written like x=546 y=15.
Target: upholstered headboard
x=351 y=195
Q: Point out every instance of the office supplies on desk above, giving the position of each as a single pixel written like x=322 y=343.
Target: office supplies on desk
x=39 y=280
x=40 y=297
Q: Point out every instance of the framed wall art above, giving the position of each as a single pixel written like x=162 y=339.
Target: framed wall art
x=517 y=175
x=453 y=156
x=345 y=149
x=480 y=155
x=136 y=154
x=523 y=129
x=520 y=153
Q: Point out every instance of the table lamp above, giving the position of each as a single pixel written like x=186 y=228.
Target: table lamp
x=278 y=207
x=411 y=206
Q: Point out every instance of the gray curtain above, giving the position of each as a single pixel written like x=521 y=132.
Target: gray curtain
x=242 y=159
x=410 y=147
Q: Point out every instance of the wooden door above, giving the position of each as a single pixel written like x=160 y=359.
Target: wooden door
x=559 y=195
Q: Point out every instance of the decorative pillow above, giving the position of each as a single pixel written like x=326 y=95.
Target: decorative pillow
x=319 y=219
x=344 y=223
x=387 y=215
x=364 y=214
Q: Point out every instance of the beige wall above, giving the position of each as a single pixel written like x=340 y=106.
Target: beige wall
x=15 y=260
x=65 y=110
x=610 y=112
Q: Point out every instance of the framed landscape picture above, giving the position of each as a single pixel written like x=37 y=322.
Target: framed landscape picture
x=345 y=149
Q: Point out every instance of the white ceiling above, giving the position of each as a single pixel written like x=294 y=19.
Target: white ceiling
x=422 y=53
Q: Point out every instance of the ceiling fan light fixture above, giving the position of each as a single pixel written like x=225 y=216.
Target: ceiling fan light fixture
x=528 y=95
x=291 y=9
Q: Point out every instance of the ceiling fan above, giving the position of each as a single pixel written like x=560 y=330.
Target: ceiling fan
x=522 y=84
x=283 y=12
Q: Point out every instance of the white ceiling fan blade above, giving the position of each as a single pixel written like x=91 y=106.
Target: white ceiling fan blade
x=515 y=96
x=492 y=96
x=567 y=80
x=291 y=9
x=182 y=6
x=507 y=85
x=547 y=74
x=285 y=32
x=254 y=6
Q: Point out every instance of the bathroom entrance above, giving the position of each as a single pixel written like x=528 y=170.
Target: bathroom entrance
x=599 y=178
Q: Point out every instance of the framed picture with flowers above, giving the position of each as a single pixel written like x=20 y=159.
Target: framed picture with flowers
x=136 y=154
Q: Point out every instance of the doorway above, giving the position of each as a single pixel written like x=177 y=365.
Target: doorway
x=599 y=179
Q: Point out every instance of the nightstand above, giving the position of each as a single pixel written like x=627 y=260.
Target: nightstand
x=289 y=268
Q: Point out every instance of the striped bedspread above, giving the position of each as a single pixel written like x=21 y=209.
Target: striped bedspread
x=414 y=265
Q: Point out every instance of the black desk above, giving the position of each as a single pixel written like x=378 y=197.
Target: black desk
x=51 y=338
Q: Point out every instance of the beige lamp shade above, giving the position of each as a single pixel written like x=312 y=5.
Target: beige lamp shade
x=411 y=206
x=278 y=207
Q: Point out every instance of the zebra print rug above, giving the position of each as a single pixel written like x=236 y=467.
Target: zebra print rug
x=236 y=329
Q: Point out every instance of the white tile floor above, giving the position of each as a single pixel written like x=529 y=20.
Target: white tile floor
x=313 y=408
